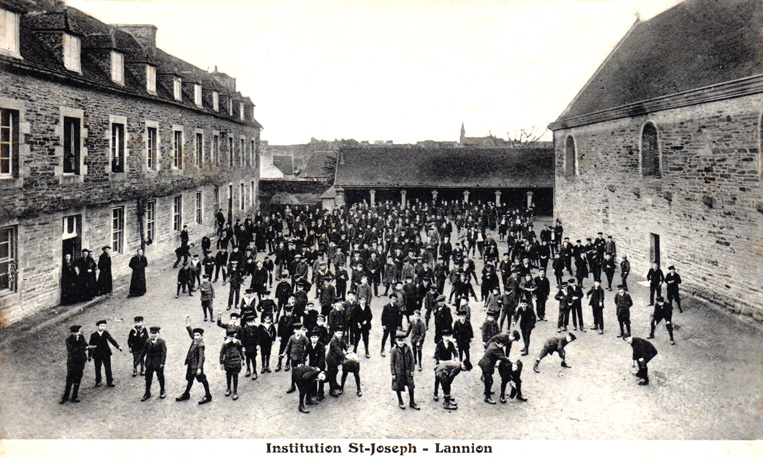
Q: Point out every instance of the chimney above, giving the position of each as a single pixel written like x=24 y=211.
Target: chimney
x=144 y=33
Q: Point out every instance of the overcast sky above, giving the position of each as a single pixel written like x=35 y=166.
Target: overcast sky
x=392 y=70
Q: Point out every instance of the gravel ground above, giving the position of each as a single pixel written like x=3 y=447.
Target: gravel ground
x=707 y=386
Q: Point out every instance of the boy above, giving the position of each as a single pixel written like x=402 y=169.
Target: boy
x=76 y=359
x=418 y=333
x=295 y=351
x=351 y=364
x=554 y=344
x=285 y=330
x=643 y=352
x=100 y=351
x=623 y=304
x=316 y=357
x=265 y=337
x=511 y=373
x=334 y=358
x=495 y=352
x=322 y=329
x=525 y=317
x=233 y=325
x=596 y=293
x=250 y=339
x=401 y=366
x=207 y=297
x=194 y=360
x=463 y=334
x=445 y=350
x=444 y=374
x=662 y=311
x=489 y=327
x=247 y=305
x=155 y=354
x=135 y=342
x=231 y=355
x=184 y=281
x=304 y=377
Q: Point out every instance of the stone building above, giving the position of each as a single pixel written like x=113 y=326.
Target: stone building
x=107 y=140
x=516 y=176
x=662 y=149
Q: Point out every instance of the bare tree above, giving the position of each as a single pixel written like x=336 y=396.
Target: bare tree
x=525 y=135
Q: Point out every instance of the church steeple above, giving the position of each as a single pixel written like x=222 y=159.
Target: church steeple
x=462 y=139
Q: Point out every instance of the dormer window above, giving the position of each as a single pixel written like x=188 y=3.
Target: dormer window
x=197 y=94
x=9 y=33
x=176 y=88
x=151 y=79
x=118 y=67
x=72 y=53
x=230 y=106
x=241 y=112
x=215 y=100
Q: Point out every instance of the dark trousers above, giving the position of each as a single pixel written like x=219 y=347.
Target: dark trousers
x=233 y=296
x=331 y=373
x=624 y=277
x=487 y=379
x=138 y=359
x=559 y=278
x=652 y=289
x=231 y=375
x=610 y=276
x=106 y=362
x=516 y=390
x=359 y=334
x=265 y=355
x=417 y=359
x=577 y=315
x=207 y=306
x=505 y=313
x=72 y=384
x=526 y=338
x=357 y=379
x=564 y=318
x=673 y=295
x=224 y=270
x=668 y=324
x=201 y=379
x=598 y=317
x=463 y=353
x=446 y=384
x=251 y=360
x=540 y=307
x=150 y=377
x=183 y=286
x=643 y=371
x=625 y=326
x=391 y=334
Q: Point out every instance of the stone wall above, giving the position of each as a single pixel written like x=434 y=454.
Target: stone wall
x=707 y=206
x=35 y=202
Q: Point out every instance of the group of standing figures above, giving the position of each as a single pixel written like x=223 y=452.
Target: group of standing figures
x=408 y=251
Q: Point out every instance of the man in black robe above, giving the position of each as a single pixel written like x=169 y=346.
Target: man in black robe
x=104 y=272
x=68 y=281
x=138 y=265
x=86 y=282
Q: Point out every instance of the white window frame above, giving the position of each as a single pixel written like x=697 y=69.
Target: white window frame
x=242 y=112
x=72 y=53
x=230 y=106
x=75 y=143
x=151 y=220
x=151 y=79
x=197 y=94
x=177 y=147
x=9 y=264
x=9 y=33
x=177 y=213
x=199 y=147
x=242 y=150
x=154 y=164
x=215 y=159
x=199 y=207
x=10 y=132
x=118 y=229
x=215 y=100
x=177 y=88
x=118 y=143
x=118 y=67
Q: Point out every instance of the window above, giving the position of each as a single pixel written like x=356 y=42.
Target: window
x=570 y=158
x=72 y=53
x=151 y=220
x=230 y=150
x=215 y=149
x=71 y=145
x=251 y=194
x=197 y=94
x=118 y=229
x=177 y=213
x=199 y=149
x=177 y=149
x=9 y=143
x=241 y=111
x=650 y=151
x=9 y=32
x=241 y=196
x=117 y=67
x=8 y=261
x=177 y=88
x=252 y=155
x=230 y=106
x=217 y=197
x=151 y=79
x=152 y=138
x=215 y=100
x=199 y=208
x=117 y=148
x=241 y=150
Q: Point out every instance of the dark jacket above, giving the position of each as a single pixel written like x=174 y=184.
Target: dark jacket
x=443 y=352
x=337 y=349
x=76 y=355
x=446 y=371
x=643 y=349
x=155 y=353
x=232 y=354
x=101 y=343
x=137 y=339
x=296 y=348
x=194 y=359
x=492 y=355
x=391 y=317
x=316 y=356
x=401 y=366
x=463 y=333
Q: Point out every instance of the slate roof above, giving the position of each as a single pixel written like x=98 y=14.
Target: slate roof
x=284 y=164
x=468 y=167
x=42 y=16
x=316 y=163
x=695 y=44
